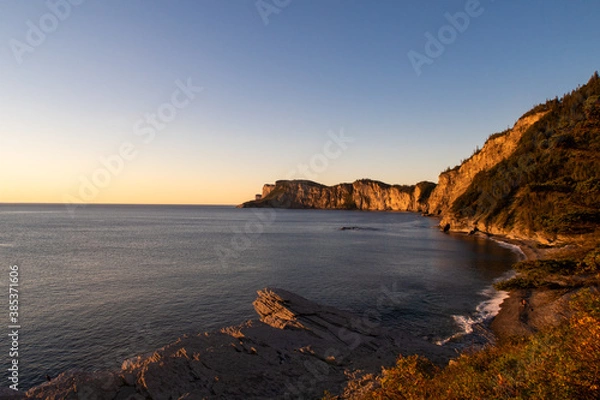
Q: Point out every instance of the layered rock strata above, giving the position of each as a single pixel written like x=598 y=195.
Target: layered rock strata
x=361 y=195
x=424 y=197
x=298 y=349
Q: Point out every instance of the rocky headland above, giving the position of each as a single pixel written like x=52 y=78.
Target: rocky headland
x=364 y=194
x=424 y=197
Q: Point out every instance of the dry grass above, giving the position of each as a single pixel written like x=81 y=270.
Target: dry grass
x=559 y=363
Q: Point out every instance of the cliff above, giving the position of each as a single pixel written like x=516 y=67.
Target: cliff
x=298 y=349
x=361 y=195
x=544 y=184
x=453 y=183
x=538 y=180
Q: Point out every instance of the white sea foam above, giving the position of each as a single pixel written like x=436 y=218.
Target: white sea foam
x=484 y=312
x=513 y=247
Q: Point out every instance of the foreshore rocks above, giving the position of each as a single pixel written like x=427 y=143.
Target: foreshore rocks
x=298 y=349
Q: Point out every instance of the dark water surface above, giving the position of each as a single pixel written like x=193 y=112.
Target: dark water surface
x=109 y=282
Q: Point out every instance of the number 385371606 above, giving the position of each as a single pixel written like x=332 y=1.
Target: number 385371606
x=13 y=293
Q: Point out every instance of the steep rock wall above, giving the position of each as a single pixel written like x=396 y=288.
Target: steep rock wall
x=423 y=197
x=360 y=195
x=452 y=184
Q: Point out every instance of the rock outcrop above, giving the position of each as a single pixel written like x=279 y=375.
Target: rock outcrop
x=361 y=195
x=298 y=349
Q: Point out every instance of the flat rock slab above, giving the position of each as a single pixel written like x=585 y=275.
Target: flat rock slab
x=298 y=349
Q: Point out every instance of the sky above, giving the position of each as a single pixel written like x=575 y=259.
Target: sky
x=202 y=102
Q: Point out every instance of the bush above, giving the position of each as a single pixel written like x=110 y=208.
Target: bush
x=553 y=274
x=560 y=363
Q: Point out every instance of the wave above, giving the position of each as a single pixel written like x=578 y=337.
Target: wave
x=515 y=248
x=484 y=312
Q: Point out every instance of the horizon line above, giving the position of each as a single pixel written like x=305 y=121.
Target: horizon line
x=115 y=204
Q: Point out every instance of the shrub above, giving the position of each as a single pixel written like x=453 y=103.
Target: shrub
x=560 y=363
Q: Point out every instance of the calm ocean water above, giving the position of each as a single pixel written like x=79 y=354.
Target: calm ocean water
x=110 y=282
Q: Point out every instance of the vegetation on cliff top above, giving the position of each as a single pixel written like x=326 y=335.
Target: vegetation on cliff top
x=290 y=193
x=551 y=183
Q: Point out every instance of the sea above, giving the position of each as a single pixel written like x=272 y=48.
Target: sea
x=98 y=284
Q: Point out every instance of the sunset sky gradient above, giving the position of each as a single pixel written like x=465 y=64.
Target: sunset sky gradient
x=272 y=95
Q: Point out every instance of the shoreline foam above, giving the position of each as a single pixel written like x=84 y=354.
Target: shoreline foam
x=512 y=246
x=484 y=313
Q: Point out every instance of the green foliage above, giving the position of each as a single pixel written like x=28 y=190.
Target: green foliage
x=368 y=181
x=564 y=267
x=548 y=105
x=591 y=262
x=551 y=183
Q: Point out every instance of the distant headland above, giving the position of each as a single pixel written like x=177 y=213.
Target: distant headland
x=536 y=184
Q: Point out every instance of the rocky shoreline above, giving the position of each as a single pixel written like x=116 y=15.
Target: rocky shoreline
x=298 y=349
x=524 y=312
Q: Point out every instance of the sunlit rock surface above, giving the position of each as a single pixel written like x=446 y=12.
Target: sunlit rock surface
x=298 y=349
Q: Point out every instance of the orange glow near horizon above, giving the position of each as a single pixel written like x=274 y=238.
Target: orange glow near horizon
x=141 y=195
x=123 y=190
x=63 y=175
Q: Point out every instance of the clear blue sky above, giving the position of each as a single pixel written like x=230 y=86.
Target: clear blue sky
x=271 y=92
